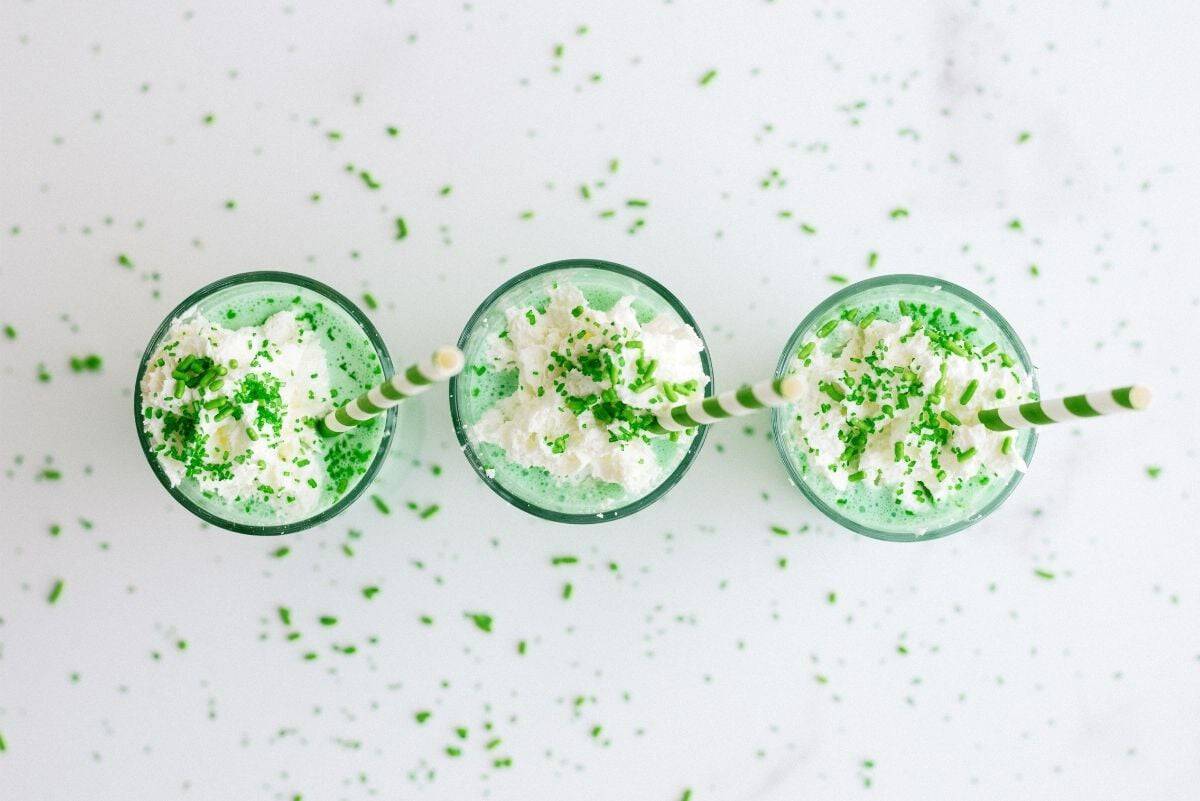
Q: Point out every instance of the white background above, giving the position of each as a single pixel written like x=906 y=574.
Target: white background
x=709 y=665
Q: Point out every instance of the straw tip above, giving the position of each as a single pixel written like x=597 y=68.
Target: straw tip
x=449 y=359
x=1140 y=396
x=791 y=387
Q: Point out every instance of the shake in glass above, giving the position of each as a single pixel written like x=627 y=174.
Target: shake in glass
x=565 y=364
x=884 y=438
x=231 y=388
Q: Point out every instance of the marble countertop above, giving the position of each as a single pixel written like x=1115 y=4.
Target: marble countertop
x=1046 y=155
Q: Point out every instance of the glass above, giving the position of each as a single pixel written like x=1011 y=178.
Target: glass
x=563 y=502
x=251 y=289
x=887 y=290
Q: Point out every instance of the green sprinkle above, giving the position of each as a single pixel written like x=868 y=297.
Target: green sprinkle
x=707 y=77
x=838 y=279
x=856 y=476
x=327 y=620
x=381 y=504
x=1044 y=574
x=1006 y=445
x=370 y=592
x=989 y=349
x=1153 y=471
x=872 y=259
x=369 y=299
x=10 y=332
x=86 y=364
x=279 y=553
x=423 y=715
x=482 y=622
x=567 y=590
x=827 y=329
x=870 y=318
x=805 y=351
x=968 y=392
x=401 y=228
x=1000 y=393
x=446 y=190
x=780 y=530
x=898 y=449
x=429 y=511
x=251 y=433
x=949 y=417
x=564 y=560
x=636 y=203
x=55 y=592
x=1023 y=137
x=967 y=454
x=898 y=213
x=285 y=615
x=833 y=390
x=578 y=310
x=125 y=261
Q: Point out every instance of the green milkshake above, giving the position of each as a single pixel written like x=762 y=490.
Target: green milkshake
x=564 y=364
x=229 y=392
x=884 y=438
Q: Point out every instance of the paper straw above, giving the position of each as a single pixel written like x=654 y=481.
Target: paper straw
x=1060 y=410
x=445 y=362
x=745 y=400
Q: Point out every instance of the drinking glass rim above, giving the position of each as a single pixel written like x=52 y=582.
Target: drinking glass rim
x=278 y=277
x=821 y=310
x=468 y=448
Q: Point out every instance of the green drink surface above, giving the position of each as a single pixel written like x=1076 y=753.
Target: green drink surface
x=878 y=507
x=353 y=367
x=481 y=387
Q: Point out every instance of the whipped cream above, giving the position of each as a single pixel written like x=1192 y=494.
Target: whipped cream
x=586 y=382
x=894 y=404
x=247 y=435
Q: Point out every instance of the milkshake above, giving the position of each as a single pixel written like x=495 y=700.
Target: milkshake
x=229 y=393
x=884 y=436
x=565 y=366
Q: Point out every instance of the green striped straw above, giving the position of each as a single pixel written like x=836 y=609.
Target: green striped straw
x=745 y=400
x=445 y=362
x=1060 y=410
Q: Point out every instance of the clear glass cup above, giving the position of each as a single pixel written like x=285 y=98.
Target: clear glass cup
x=533 y=490
x=886 y=290
x=257 y=295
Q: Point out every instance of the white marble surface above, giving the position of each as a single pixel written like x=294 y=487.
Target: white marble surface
x=947 y=669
